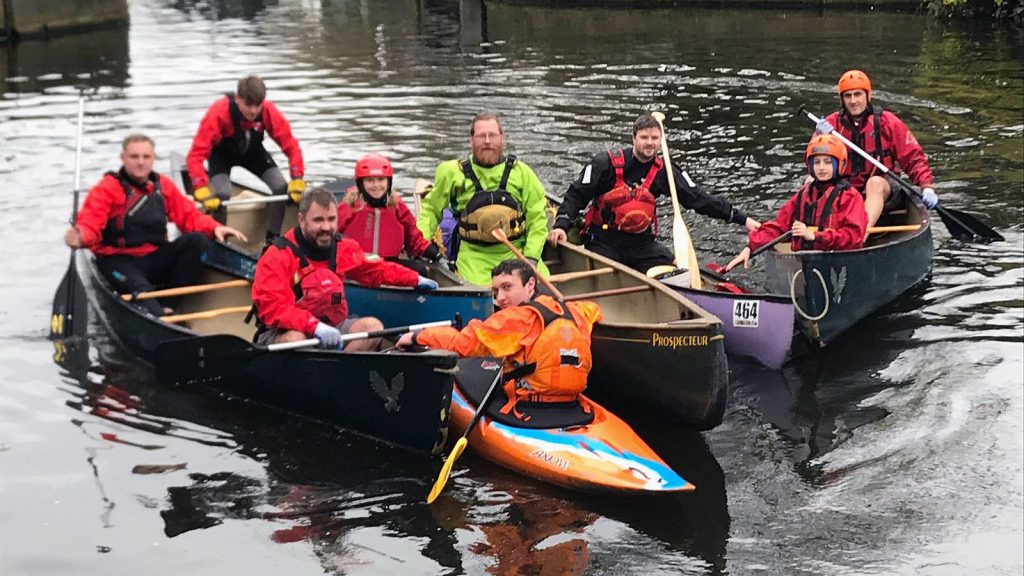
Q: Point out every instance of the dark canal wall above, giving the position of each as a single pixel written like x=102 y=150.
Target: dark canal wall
x=31 y=18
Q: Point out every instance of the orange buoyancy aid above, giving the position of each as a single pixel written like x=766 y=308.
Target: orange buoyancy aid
x=318 y=289
x=624 y=208
x=556 y=367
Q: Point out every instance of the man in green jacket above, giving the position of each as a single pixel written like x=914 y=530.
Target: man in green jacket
x=488 y=191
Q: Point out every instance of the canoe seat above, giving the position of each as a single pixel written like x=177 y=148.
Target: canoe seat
x=474 y=378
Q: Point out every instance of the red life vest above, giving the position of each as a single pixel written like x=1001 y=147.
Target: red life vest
x=623 y=208
x=377 y=229
x=807 y=207
x=318 y=289
x=241 y=141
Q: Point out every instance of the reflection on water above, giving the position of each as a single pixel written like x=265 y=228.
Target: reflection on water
x=845 y=461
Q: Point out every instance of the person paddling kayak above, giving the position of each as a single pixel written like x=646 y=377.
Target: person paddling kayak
x=545 y=343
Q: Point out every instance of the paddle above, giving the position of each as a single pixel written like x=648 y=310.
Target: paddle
x=500 y=235
x=763 y=249
x=681 y=242
x=460 y=444
x=960 y=224
x=62 y=320
x=205 y=357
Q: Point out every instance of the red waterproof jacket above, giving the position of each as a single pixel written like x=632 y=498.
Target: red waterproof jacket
x=278 y=270
x=900 y=149
x=106 y=202
x=217 y=125
x=843 y=227
x=382 y=231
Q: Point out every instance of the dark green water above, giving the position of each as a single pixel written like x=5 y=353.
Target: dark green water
x=898 y=451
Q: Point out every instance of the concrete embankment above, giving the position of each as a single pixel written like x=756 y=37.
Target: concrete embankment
x=34 y=18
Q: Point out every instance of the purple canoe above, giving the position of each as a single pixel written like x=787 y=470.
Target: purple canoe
x=759 y=326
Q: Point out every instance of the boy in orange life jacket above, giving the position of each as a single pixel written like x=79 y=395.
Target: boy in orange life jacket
x=299 y=290
x=528 y=329
x=828 y=202
x=373 y=215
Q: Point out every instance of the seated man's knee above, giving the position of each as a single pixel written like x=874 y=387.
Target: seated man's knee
x=877 y=185
x=289 y=336
x=366 y=324
x=196 y=242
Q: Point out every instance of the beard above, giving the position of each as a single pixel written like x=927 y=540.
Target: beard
x=487 y=157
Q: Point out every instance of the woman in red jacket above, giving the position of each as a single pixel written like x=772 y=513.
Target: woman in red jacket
x=373 y=215
x=825 y=214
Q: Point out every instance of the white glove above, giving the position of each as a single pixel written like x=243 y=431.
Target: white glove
x=329 y=336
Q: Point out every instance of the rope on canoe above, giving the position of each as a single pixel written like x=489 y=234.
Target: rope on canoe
x=796 y=305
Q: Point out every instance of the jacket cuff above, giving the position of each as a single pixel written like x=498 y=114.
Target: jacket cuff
x=738 y=217
x=562 y=222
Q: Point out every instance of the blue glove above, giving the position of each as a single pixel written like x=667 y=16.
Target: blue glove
x=929 y=198
x=425 y=283
x=328 y=335
x=824 y=126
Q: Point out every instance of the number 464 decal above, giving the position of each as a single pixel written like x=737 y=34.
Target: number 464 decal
x=745 y=313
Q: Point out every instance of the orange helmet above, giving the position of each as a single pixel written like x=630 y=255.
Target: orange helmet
x=829 y=145
x=854 y=80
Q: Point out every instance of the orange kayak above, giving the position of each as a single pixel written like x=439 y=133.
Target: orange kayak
x=580 y=445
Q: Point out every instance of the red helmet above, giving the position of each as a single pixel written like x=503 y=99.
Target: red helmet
x=374 y=166
x=829 y=145
x=854 y=80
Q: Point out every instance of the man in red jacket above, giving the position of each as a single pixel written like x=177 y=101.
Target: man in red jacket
x=124 y=221
x=231 y=134
x=884 y=136
x=299 y=286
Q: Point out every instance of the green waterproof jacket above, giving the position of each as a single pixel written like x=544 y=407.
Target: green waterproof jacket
x=452 y=189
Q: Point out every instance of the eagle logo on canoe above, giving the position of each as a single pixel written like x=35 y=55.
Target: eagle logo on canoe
x=388 y=390
x=838 y=283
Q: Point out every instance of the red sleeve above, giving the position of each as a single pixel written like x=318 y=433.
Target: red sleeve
x=215 y=125
x=182 y=210
x=371 y=270
x=273 y=295
x=771 y=230
x=279 y=129
x=907 y=150
x=415 y=243
x=345 y=215
x=104 y=200
x=847 y=224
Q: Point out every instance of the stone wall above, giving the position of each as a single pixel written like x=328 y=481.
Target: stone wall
x=28 y=18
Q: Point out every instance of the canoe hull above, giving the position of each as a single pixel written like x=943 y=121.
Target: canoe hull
x=401 y=399
x=845 y=287
x=605 y=456
x=654 y=347
x=758 y=326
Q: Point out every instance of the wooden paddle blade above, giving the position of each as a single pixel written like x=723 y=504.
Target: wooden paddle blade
x=963 y=226
x=446 y=470
x=199 y=358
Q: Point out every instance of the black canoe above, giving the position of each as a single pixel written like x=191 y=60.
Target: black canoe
x=654 y=346
x=398 y=398
x=832 y=291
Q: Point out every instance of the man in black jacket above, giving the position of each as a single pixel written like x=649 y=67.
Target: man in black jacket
x=619 y=187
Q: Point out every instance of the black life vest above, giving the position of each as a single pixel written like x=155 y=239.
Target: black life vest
x=489 y=210
x=806 y=211
x=625 y=208
x=241 y=141
x=144 y=220
x=857 y=163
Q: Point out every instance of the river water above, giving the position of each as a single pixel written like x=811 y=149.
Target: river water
x=900 y=450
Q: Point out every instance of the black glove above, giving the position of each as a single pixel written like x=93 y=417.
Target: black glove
x=432 y=253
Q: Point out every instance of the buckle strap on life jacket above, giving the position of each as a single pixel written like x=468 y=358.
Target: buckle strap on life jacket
x=467 y=171
x=809 y=209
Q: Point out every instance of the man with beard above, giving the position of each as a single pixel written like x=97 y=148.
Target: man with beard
x=881 y=134
x=299 y=286
x=231 y=134
x=124 y=221
x=620 y=187
x=487 y=191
